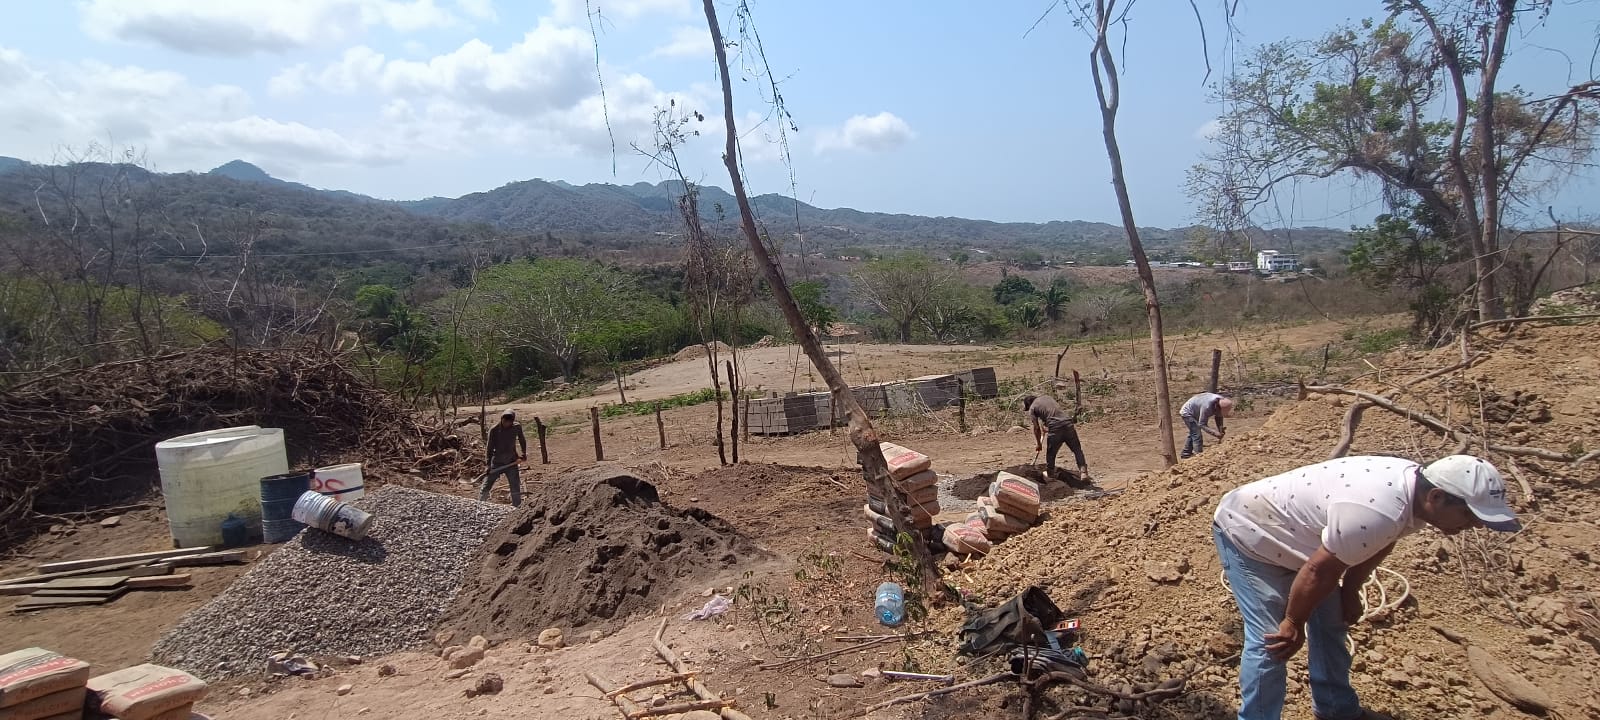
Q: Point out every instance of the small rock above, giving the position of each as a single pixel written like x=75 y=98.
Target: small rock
x=363 y=711
x=550 y=639
x=456 y=673
x=479 y=642
x=699 y=715
x=344 y=689
x=1165 y=572
x=871 y=673
x=465 y=658
x=595 y=636
x=443 y=638
x=386 y=670
x=694 y=499
x=246 y=692
x=1222 y=645
x=1410 y=664
x=657 y=700
x=842 y=680
x=1396 y=678
x=549 y=690
x=450 y=652
x=489 y=684
x=352 y=659
x=111 y=522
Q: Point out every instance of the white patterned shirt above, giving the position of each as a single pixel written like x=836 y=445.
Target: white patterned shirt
x=1354 y=506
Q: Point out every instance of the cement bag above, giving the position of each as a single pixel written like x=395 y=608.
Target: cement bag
x=920 y=481
x=1015 y=496
x=999 y=525
x=921 y=515
x=966 y=540
x=56 y=703
x=904 y=462
x=143 y=692
x=181 y=713
x=36 y=672
x=74 y=715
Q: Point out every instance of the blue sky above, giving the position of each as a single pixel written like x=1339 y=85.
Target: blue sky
x=932 y=108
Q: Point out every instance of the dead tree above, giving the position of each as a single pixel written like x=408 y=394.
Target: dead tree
x=1097 y=18
x=862 y=434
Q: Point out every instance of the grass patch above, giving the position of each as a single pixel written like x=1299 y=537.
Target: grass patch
x=646 y=407
x=1380 y=341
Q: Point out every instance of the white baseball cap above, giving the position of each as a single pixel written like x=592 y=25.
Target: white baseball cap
x=1479 y=483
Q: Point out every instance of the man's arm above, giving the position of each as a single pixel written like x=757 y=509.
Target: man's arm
x=1038 y=435
x=1316 y=580
x=1354 y=577
x=522 y=442
x=1216 y=412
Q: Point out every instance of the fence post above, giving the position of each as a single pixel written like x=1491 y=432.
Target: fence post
x=961 y=403
x=544 y=452
x=594 y=422
x=1216 y=367
x=661 y=428
x=733 y=391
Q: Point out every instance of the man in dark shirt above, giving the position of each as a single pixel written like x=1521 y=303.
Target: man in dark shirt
x=507 y=447
x=1046 y=415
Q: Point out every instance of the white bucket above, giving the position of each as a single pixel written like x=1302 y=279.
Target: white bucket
x=207 y=476
x=341 y=482
x=325 y=513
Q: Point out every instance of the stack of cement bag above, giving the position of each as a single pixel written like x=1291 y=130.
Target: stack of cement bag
x=36 y=684
x=145 y=692
x=1009 y=508
x=912 y=474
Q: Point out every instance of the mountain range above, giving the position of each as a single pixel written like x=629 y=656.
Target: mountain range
x=622 y=214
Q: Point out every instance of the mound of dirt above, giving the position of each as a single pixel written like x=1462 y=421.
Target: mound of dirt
x=593 y=552
x=1141 y=573
x=692 y=352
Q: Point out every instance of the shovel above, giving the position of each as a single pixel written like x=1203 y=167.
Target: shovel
x=479 y=480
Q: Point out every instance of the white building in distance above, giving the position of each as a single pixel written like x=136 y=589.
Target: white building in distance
x=1272 y=261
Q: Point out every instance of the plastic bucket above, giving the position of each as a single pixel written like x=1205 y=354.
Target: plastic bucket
x=342 y=482
x=279 y=493
x=330 y=515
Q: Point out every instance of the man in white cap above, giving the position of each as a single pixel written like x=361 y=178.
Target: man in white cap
x=507 y=447
x=1196 y=413
x=1297 y=547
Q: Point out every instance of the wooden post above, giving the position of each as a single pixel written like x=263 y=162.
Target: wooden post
x=594 y=421
x=1216 y=367
x=661 y=428
x=733 y=391
x=544 y=452
x=961 y=404
x=745 y=424
x=1058 y=359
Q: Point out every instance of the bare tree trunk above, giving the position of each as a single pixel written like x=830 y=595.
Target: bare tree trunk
x=716 y=393
x=862 y=434
x=1490 y=305
x=1104 y=68
x=733 y=392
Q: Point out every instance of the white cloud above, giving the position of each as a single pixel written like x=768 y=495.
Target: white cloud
x=877 y=133
x=216 y=27
x=47 y=107
x=686 y=42
x=1208 y=130
x=480 y=9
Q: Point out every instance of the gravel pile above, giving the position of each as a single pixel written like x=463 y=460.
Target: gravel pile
x=321 y=594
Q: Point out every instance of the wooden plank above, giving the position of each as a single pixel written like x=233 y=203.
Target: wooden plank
x=21 y=589
x=159 y=581
x=91 y=583
x=215 y=558
x=126 y=569
x=79 y=592
x=40 y=603
x=115 y=559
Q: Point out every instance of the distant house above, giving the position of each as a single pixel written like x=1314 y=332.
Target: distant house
x=1272 y=261
x=1238 y=266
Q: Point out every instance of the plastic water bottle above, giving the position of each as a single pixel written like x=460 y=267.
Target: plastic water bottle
x=891 y=604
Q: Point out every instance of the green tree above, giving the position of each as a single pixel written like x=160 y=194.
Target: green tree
x=958 y=312
x=1013 y=288
x=902 y=287
x=809 y=295
x=1406 y=252
x=554 y=306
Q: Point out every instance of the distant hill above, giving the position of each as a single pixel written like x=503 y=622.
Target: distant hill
x=307 y=219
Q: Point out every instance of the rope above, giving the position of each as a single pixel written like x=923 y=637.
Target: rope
x=1373 y=586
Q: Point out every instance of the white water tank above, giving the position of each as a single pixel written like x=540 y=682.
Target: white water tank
x=209 y=475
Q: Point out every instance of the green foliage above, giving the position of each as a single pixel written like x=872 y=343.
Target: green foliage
x=46 y=323
x=809 y=296
x=958 y=312
x=1405 y=252
x=1013 y=289
x=1380 y=341
x=647 y=407
x=903 y=287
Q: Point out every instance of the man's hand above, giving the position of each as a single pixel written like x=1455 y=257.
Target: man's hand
x=522 y=458
x=1351 y=604
x=1284 y=643
x=1038 y=447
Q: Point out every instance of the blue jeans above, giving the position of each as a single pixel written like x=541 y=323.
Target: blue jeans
x=1262 y=593
x=1197 y=438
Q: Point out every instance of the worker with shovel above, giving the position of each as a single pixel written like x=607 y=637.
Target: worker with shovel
x=1196 y=412
x=1297 y=548
x=507 y=447
x=1046 y=414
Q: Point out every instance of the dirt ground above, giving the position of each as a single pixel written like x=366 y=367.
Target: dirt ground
x=799 y=497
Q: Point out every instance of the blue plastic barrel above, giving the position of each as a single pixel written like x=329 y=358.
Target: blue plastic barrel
x=278 y=495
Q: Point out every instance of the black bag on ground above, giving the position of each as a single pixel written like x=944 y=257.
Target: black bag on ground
x=1022 y=620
